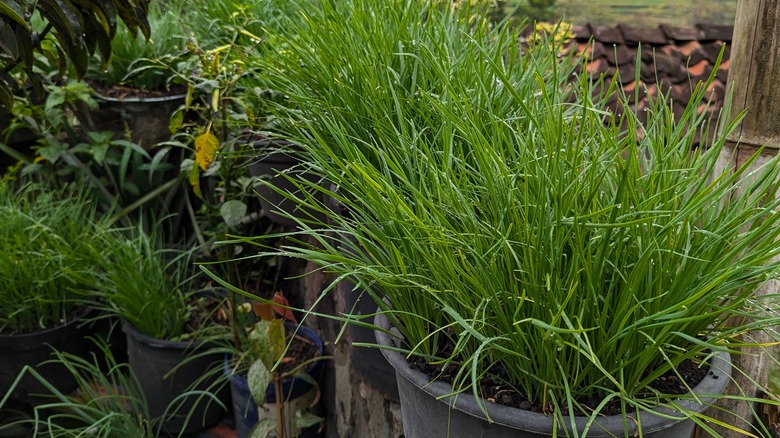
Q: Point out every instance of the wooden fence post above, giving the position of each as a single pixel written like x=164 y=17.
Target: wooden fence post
x=754 y=80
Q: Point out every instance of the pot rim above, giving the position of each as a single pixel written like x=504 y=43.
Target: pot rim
x=78 y=318
x=157 y=99
x=713 y=383
x=153 y=342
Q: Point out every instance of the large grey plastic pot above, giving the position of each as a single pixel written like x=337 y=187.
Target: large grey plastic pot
x=460 y=417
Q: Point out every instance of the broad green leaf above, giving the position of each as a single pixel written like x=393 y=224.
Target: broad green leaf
x=99 y=152
x=14 y=11
x=6 y=97
x=267 y=341
x=232 y=212
x=258 y=378
x=129 y=13
x=263 y=428
x=177 y=119
x=8 y=40
x=302 y=420
x=91 y=33
x=24 y=42
x=51 y=153
x=194 y=179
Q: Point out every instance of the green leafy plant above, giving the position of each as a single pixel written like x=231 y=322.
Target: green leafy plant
x=326 y=63
x=51 y=257
x=264 y=349
x=145 y=63
x=133 y=185
x=509 y=225
x=67 y=33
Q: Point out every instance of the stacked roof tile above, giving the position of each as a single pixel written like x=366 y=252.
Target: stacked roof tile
x=673 y=59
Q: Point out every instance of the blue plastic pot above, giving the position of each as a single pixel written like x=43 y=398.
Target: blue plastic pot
x=245 y=409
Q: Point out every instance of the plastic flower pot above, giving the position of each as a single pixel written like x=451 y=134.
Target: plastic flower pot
x=146 y=118
x=429 y=412
x=246 y=412
x=35 y=349
x=166 y=370
x=368 y=363
x=278 y=159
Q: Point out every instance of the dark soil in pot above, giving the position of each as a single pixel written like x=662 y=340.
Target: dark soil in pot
x=429 y=410
x=492 y=388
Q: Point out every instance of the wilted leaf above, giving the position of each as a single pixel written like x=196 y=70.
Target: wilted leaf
x=283 y=307
x=263 y=311
x=206 y=146
x=14 y=11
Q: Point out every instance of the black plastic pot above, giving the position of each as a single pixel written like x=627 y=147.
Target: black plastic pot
x=35 y=349
x=428 y=412
x=245 y=410
x=147 y=118
x=278 y=158
x=368 y=363
x=166 y=370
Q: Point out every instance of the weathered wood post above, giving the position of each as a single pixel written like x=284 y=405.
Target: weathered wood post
x=354 y=408
x=754 y=80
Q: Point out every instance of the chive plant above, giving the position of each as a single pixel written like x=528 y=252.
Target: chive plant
x=49 y=257
x=146 y=285
x=491 y=199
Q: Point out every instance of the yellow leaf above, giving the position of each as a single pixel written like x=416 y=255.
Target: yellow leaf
x=206 y=146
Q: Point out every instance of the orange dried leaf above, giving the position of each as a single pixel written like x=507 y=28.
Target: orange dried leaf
x=282 y=309
x=263 y=311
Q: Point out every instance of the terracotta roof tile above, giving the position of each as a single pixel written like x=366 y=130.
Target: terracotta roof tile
x=686 y=49
x=712 y=50
x=681 y=33
x=606 y=34
x=581 y=32
x=673 y=59
x=715 y=32
x=624 y=55
x=635 y=35
x=715 y=92
x=700 y=71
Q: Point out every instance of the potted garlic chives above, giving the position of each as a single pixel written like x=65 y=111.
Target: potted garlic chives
x=50 y=260
x=530 y=248
x=174 y=334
